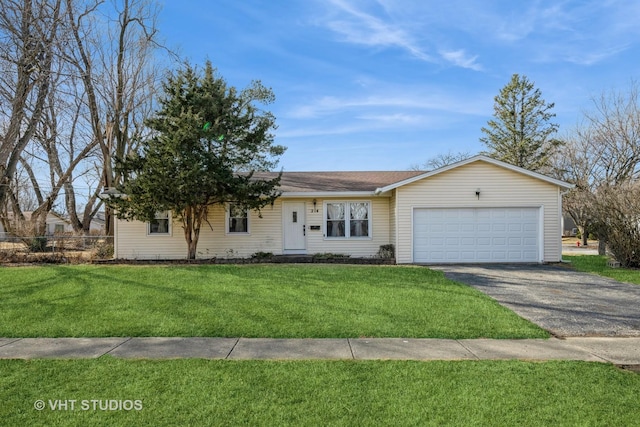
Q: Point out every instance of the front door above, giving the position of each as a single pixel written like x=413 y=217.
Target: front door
x=294 y=227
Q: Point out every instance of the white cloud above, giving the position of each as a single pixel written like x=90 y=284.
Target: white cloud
x=460 y=58
x=391 y=101
x=363 y=28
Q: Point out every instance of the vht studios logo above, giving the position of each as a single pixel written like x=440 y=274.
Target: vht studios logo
x=88 y=405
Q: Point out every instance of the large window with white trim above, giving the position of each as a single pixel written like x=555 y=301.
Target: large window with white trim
x=347 y=220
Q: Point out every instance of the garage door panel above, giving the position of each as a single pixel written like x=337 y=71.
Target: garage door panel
x=483 y=228
x=476 y=235
x=484 y=241
x=468 y=241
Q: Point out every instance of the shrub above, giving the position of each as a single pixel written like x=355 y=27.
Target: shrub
x=387 y=251
x=262 y=255
x=37 y=244
x=617 y=211
x=329 y=255
x=103 y=251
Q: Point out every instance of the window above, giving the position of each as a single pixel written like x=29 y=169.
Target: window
x=58 y=228
x=347 y=219
x=238 y=220
x=160 y=225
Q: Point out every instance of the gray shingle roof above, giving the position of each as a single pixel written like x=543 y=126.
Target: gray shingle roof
x=338 y=181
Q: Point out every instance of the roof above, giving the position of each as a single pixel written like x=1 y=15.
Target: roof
x=302 y=184
x=337 y=182
x=368 y=183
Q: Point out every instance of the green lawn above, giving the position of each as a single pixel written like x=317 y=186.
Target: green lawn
x=345 y=393
x=598 y=265
x=294 y=301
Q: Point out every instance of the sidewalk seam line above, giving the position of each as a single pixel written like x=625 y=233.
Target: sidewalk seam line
x=353 y=356
x=588 y=351
x=469 y=350
x=119 y=345
x=11 y=342
x=232 y=348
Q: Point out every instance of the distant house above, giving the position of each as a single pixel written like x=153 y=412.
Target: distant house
x=479 y=210
x=97 y=225
x=55 y=224
x=97 y=222
x=569 y=228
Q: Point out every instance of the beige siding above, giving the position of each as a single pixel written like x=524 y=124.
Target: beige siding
x=265 y=234
x=499 y=187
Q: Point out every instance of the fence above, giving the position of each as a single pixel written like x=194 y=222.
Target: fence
x=14 y=248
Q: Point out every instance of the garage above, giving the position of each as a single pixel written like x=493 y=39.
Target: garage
x=476 y=235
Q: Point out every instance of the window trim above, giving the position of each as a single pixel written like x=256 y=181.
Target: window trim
x=347 y=220
x=169 y=232
x=228 y=218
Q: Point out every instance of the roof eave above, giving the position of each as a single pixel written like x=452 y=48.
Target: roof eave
x=300 y=194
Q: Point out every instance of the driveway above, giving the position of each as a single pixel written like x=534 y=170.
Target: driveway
x=564 y=302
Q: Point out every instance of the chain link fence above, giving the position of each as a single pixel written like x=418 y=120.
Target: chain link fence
x=55 y=248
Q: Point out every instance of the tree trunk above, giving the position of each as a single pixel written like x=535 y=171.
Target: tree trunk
x=585 y=237
x=191 y=221
x=602 y=247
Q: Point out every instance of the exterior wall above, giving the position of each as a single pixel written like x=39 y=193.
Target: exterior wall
x=499 y=187
x=53 y=221
x=317 y=242
x=265 y=234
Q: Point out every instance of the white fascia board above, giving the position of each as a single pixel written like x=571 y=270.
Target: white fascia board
x=479 y=157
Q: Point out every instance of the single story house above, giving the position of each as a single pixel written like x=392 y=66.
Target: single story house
x=55 y=224
x=479 y=210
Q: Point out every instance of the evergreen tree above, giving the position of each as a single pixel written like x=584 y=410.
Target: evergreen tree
x=208 y=140
x=521 y=132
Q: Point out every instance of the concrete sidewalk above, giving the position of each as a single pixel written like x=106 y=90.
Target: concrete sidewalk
x=619 y=351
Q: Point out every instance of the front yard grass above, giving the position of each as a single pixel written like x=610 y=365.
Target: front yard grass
x=269 y=301
x=311 y=393
x=598 y=265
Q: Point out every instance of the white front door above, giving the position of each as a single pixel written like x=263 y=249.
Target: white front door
x=294 y=227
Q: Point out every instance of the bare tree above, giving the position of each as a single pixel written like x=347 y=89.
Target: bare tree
x=77 y=80
x=442 y=160
x=29 y=41
x=602 y=155
x=119 y=75
x=617 y=211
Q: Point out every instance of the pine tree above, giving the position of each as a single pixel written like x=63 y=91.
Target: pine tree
x=521 y=132
x=208 y=140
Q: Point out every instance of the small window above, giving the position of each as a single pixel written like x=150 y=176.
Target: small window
x=59 y=229
x=238 y=219
x=160 y=225
x=348 y=220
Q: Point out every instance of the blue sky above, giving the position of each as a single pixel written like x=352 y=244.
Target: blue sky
x=386 y=84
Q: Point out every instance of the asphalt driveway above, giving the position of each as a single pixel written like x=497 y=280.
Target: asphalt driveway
x=564 y=302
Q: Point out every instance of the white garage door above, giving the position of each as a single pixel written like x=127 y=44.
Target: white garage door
x=476 y=235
